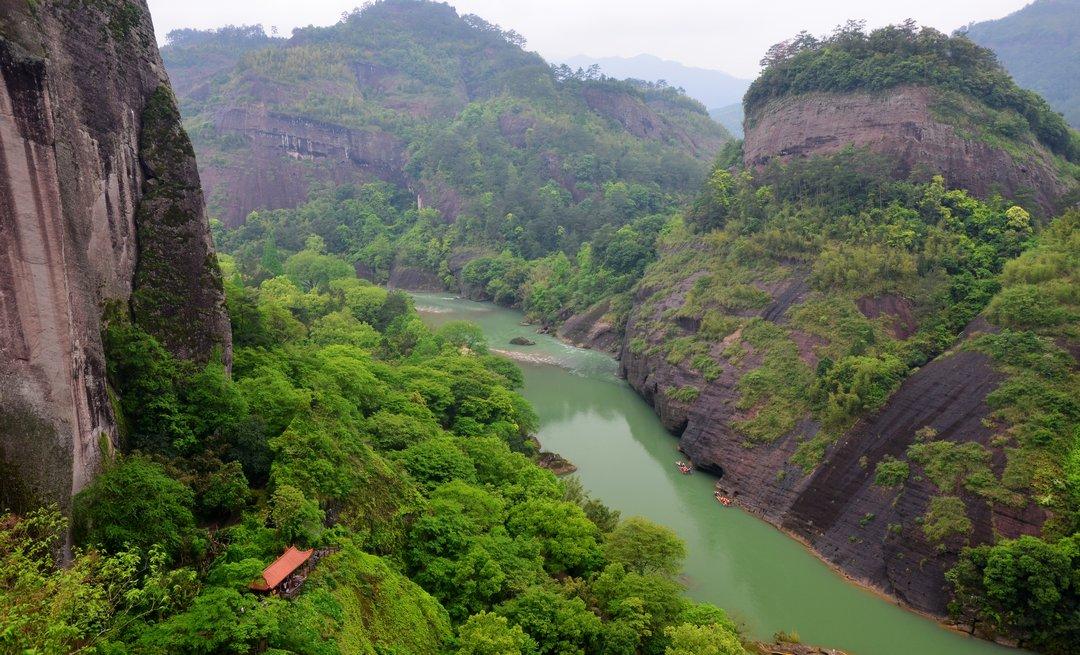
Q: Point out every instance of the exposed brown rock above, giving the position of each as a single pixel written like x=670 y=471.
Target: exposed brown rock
x=643 y=121
x=899 y=123
x=76 y=171
x=948 y=395
x=592 y=329
x=828 y=508
x=896 y=307
x=787 y=648
x=261 y=172
x=555 y=463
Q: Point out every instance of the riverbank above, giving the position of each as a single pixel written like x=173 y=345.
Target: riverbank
x=767 y=581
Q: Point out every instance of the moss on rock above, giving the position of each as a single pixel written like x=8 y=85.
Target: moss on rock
x=178 y=295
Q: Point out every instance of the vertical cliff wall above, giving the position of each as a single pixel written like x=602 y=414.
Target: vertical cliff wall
x=921 y=128
x=99 y=200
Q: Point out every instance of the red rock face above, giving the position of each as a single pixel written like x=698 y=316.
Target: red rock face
x=898 y=123
x=280 y=156
x=830 y=511
x=74 y=174
x=898 y=309
x=591 y=329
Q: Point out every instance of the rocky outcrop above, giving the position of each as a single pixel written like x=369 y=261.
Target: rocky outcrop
x=788 y=648
x=889 y=550
x=900 y=123
x=257 y=159
x=592 y=328
x=651 y=120
x=555 y=463
x=99 y=200
x=872 y=534
x=411 y=278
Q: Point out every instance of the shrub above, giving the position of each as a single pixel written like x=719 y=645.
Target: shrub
x=1023 y=588
x=645 y=547
x=135 y=504
x=297 y=518
x=436 y=461
x=491 y=634
x=1028 y=306
x=891 y=472
x=945 y=517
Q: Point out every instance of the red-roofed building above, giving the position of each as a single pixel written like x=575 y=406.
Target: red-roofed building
x=285 y=575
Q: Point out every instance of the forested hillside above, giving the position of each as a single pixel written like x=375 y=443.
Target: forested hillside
x=876 y=362
x=932 y=103
x=499 y=150
x=1040 y=47
x=434 y=152
x=349 y=427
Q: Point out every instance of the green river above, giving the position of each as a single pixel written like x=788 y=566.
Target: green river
x=764 y=579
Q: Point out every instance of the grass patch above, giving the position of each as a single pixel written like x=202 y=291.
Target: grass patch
x=775 y=392
x=685 y=394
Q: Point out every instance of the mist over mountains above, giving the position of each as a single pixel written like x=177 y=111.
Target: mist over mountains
x=1040 y=47
x=719 y=91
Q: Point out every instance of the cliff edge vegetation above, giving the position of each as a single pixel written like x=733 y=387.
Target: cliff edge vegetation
x=935 y=104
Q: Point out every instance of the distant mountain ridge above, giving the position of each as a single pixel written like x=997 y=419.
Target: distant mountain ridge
x=714 y=88
x=402 y=82
x=1040 y=47
x=731 y=117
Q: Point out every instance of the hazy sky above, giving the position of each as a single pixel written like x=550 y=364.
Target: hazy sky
x=723 y=34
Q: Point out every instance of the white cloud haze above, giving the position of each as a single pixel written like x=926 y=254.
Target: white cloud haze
x=720 y=34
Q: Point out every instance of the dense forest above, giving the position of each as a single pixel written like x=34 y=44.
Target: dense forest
x=347 y=426
x=376 y=227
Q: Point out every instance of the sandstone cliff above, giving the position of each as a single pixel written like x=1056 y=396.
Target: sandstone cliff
x=924 y=129
x=100 y=203
x=278 y=156
x=873 y=534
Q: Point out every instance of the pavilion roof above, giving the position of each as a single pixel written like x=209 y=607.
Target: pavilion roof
x=281 y=568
